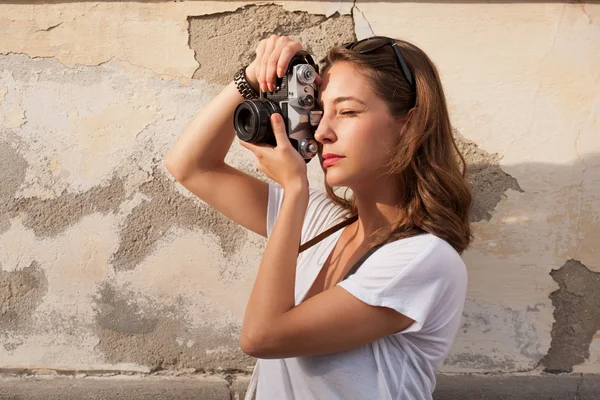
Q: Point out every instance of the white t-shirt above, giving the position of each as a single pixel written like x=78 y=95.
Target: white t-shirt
x=422 y=277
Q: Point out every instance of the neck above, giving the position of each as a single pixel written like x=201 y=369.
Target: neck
x=377 y=208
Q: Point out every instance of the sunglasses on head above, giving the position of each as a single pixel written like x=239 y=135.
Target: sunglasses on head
x=375 y=43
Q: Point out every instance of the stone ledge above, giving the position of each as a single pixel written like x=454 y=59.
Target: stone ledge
x=116 y=388
x=450 y=387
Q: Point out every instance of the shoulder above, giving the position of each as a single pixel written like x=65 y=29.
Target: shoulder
x=416 y=276
x=426 y=255
x=424 y=246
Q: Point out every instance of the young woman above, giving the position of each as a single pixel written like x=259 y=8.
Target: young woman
x=385 y=134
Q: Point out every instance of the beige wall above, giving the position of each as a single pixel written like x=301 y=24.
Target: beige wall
x=107 y=264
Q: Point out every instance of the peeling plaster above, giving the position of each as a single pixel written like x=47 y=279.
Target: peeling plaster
x=234 y=37
x=48 y=217
x=12 y=174
x=576 y=314
x=21 y=291
x=500 y=331
x=150 y=220
x=159 y=337
x=69 y=31
x=488 y=181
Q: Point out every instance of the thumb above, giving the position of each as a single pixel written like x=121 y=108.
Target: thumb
x=279 y=129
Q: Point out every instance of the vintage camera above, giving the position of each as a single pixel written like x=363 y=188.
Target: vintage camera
x=294 y=99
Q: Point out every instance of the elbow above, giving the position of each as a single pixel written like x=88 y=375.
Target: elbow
x=250 y=345
x=254 y=344
x=174 y=168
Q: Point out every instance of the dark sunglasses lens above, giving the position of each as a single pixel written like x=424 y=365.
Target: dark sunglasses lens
x=349 y=45
x=369 y=45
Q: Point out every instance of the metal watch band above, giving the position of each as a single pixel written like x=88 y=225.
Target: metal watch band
x=243 y=86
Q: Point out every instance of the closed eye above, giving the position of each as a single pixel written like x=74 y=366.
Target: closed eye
x=349 y=113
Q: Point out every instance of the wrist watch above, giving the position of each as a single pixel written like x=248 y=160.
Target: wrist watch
x=243 y=86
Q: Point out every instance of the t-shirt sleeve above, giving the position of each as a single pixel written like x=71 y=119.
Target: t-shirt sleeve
x=414 y=276
x=321 y=212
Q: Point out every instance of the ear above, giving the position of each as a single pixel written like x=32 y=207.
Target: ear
x=404 y=121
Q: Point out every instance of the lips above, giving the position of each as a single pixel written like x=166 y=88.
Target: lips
x=330 y=159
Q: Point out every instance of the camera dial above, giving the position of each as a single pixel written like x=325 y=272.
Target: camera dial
x=308 y=148
x=306 y=74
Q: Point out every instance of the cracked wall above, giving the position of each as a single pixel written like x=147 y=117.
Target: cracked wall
x=107 y=264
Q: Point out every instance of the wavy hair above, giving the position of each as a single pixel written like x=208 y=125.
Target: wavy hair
x=431 y=171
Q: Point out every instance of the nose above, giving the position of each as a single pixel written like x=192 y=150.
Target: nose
x=324 y=133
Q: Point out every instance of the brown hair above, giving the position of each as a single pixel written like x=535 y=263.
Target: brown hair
x=430 y=170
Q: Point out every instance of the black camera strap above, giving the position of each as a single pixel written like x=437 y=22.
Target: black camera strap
x=336 y=228
x=326 y=233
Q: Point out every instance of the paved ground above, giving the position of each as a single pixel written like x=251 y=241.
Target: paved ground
x=567 y=387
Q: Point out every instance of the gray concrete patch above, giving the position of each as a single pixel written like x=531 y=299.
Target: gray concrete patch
x=150 y=220
x=226 y=41
x=21 y=291
x=49 y=217
x=12 y=174
x=516 y=344
x=488 y=181
x=133 y=328
x=576 y=314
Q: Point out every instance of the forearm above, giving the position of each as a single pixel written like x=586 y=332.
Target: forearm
x=208 y=137
x=273 y=291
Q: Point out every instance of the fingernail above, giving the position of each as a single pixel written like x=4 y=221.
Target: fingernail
x=279 y=72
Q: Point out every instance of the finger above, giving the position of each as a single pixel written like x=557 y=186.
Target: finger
x=258 y=149
x=279 y=130
x=246 y=145
x=253 y=148
x=264 y=62
x=260 y=50
x=272 y=63
x=288 y=52
x=318 y=80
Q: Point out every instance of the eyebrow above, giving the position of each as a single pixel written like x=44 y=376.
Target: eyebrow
x=342 y=99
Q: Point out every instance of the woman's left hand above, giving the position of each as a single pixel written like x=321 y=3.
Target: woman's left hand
x=282 y=163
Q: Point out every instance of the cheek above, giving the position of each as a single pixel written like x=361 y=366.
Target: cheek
x=378 y=137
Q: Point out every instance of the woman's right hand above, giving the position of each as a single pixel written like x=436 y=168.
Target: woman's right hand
x=272 y=58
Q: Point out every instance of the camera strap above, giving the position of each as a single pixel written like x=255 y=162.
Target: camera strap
x=326 y=233
x=336 y=228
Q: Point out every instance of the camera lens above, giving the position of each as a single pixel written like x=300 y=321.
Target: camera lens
x=251 y=121
x=247 y=120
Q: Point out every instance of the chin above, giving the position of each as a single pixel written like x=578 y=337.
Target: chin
x=336 y=178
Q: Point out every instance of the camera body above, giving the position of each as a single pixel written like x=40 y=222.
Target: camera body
x=294 y=99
